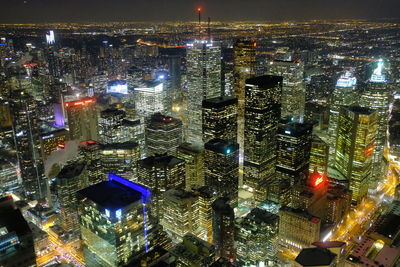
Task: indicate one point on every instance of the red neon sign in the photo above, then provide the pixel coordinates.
(318, 181)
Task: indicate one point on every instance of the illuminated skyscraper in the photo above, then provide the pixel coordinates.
(244, 67)
(70, 180)
(221, 167)
(262, 113)
(25, 126)
(356, 134)
(204, 81)
(110, 124)
(220, 118)
(160, 173)
(224, 229)
(114, 222)
(82, 119)
(345, 94)
(152, 98)
(255, 234)
(377, 97)
(163, 134)
(194, 164)
(293, 89)
(53, 141)
(319, 155)
(294, 147)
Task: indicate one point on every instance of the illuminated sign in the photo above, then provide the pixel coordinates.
(228, 151)
(288, 132)
(117, 86)
(318, 181)
(346, 80)
(81, 102)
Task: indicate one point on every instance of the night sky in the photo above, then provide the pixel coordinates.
(20, 11)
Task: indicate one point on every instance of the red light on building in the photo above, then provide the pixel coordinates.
(370, 149)
(315, 220)
(199, 9)
(316, 179)
(84, 101)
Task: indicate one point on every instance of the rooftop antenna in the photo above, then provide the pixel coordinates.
(199, 12)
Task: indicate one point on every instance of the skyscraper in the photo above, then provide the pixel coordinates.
(345, 94)
(377, 97)
(356, 134)
(262, 113)
(26, 134)
(194, 164)
(204, 81)
(221, 167)
(70, 180)
(163, 134)
(110, 123)
(293, 89)
(82, 119)
(160, 173)
(152, 98)
(224, 229)
(319, 155)
(220, 118)
(114, 222)
(294, 147)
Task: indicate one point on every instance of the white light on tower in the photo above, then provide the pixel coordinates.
(50, 37)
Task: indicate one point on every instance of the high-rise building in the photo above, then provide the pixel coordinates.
(26, 134)
(294, 147)
(206, 196)
(160, 173)
(163, 134)
(179, 213)
(262, 113)
(345, 94)
(152, 98)
(297, 228)
(16, 246)
(356, 134)
(377, 97)
(221, 168)
(255, 234)
(110, 123)
(194, 164)
(224, 229)
(204, 81)
(220, 118)
(82, 119)
(53, 141)
(319, 155)
(114, 222)
(70, 180)
(293, 89)
(338, 204)
(244, 67)
(89, 151)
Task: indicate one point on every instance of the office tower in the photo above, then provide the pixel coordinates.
(204, 81)
(152, 98)
(179, 211)
(220, 118)
(134, 130)
(319, 155)
(377, 96)
(70, 180)
(26, 136)
(356, 134)
(53, 141)
(224, 229)
(163, 134)
(110, 124)
(294, 147)
(82, 119)
(255, 234)
(16, 246)
(338, 203)
(221, 168)
(206, 196)
(262, 113)
(9, 179)
(194, 164)
(297, 228)
(293, 88)
(193, 251)
(160, 173)
(345, 94)
(114, 222)
(244, 67)
(89, 151)
(119, 158)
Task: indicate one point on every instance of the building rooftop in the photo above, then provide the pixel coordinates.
(219, 102)
(221, 146)
(262, 216)
(296, 129)
(124, 145)
(300, 212)
(159, 161)
(315, 257)
(179, 194)
(71, 170)
(159, 118)
(266, 80)
(112, 112)
(360, 110)
(114, 194)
